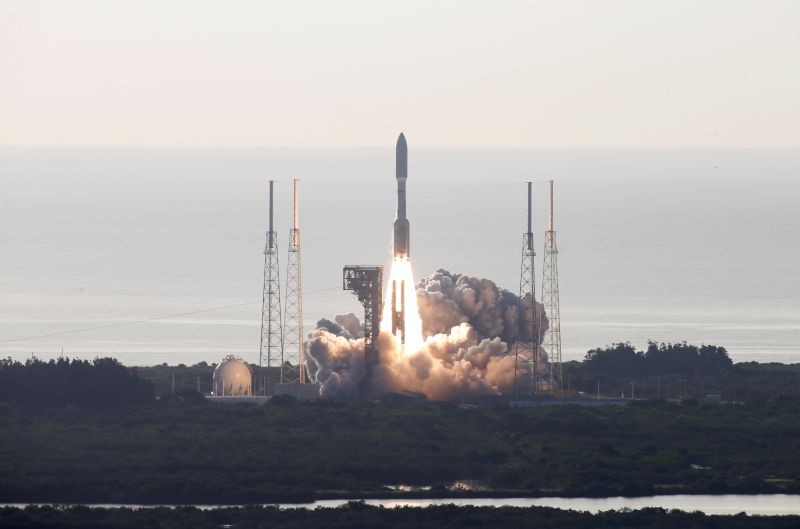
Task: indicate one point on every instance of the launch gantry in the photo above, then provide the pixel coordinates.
(367, 283)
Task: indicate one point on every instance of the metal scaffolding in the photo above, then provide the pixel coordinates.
(293, 368)
(367, 283)
(527, 328)
(552, 337)
(271, 347)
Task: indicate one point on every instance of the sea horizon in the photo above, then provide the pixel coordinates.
(663, 244)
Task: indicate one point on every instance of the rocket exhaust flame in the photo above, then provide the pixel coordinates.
(400, 310)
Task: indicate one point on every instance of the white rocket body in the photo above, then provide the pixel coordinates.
(402, 229)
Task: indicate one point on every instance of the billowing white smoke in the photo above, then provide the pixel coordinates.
(347, 325)
(336, 361)
(450, 366)
(468, 324)
(447, 299)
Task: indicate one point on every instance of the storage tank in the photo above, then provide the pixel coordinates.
(233, 378)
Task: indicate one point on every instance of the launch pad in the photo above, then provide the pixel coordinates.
(396, 313)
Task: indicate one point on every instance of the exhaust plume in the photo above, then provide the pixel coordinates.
(470, 332)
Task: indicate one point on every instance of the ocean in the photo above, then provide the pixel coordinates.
(155, 254)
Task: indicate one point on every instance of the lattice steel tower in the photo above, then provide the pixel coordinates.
(367, 282)
(552, 337)
(527, 328)
(293, 368)
(271, 348)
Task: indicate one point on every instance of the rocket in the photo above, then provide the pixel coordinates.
(401, 227)
(401, 240)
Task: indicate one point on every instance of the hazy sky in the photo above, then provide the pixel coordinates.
(341, 73)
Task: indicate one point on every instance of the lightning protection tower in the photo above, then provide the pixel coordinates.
(527, 328)
(293, 369)
(552, 337)
(271, 348)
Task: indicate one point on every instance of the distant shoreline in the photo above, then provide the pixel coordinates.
(752, 504)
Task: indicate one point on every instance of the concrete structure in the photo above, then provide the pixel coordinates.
(588, 403)
(255, 399)
(298, 391)
(232, 378)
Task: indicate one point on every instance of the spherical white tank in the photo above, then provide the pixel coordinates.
(233, 377)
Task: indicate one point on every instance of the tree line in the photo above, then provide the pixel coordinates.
(98, 382)
(357, 515)
(659, 359)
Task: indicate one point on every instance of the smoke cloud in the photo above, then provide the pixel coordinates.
(470, 329)
(346, 325)
(447, 299)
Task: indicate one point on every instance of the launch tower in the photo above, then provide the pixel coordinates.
(367, 283)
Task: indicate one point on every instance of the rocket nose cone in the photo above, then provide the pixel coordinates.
(402, 157)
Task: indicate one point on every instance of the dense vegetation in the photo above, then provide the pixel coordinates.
(659, 359)
(78, 431)
(182, 379)
(358, 516)
(180, 452)
(679, 371)
(102, 382)
(662, 371)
